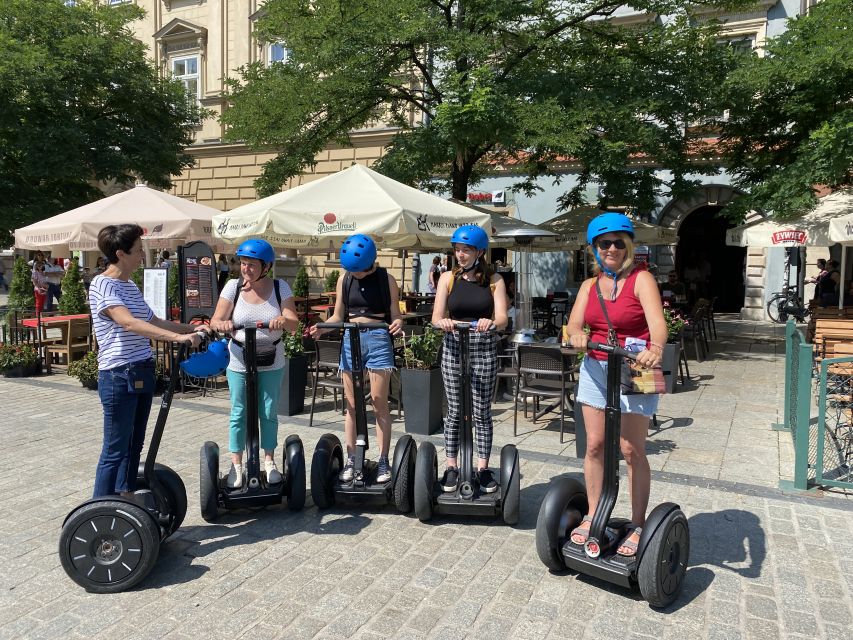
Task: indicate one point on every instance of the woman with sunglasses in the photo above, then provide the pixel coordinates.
(630, 295)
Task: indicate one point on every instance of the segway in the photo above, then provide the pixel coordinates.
(659, 566)
(255, 491)
(468, 499)
(328, 461)
(109, 544)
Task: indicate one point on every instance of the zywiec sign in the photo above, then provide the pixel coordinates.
(789, 236)
(479, 196)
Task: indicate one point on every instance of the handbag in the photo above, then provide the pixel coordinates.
(633, 378)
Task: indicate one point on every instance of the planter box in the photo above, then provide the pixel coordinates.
(669, 362)
(93, 384)
(22, 371)
(291, 398)
(423, 391)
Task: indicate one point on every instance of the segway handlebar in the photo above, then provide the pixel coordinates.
(352, 325)
(467, 325)
(252, 325)
(609, 348)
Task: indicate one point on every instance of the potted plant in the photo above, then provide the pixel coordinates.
(85, 370)
(331, 282)
(73, 298)
(675, 323)
(300, 282)
(423, 389)
(291, 400)
(19, 360)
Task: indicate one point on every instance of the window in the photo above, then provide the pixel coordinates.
(186, 70)
(740, 44)
(277, 52)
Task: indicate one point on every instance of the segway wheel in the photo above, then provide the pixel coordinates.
(426, 475)
(664, 561)
(510, 484)
(294, 457)
(175, 493)
(208, 481)
(108, 546)
(405, 452)
(327, 462)
(562, 510)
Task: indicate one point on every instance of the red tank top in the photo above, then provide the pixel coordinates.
(626, 314)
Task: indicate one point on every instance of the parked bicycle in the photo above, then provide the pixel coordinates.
(785, 304)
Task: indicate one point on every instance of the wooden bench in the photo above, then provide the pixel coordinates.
(824, 313)
(76, 340)
(830, 332)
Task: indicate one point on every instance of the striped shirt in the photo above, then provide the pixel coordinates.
(246, 312)
(116, 345)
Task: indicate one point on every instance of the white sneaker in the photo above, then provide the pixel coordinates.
(273, 475)
(383, 473)
(347, 472)
(235, 476)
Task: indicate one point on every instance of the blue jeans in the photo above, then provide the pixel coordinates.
(269, 388)
(377, 351)
(53, 291)
(125, 420)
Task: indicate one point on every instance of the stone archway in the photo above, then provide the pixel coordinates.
(747, 291)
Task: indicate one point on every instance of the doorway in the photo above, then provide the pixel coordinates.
(702, 249)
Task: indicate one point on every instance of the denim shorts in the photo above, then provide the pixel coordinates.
(592, 390)
(377, 352)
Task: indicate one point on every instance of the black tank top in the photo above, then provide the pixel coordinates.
(470, 301)
(364, 297)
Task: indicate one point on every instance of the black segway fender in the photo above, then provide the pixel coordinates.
(325, 465)
(654, 521)
(403, 473)
(510, 484)
(426, 475)
(294, 470)
(115, 498)
(208, 481)
(175, 494)
(562, 510)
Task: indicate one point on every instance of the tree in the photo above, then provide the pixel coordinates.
(790, 124)
(73, 298)
(81, 104)
(476, 83)
(21, 295)
(300, 282)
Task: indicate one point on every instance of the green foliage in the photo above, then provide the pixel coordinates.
(82, 103)
(421, 351)
(73, 299)
(293, 342)
(17, 355)
(331, 283)
(300, 283)
(790, 123)
(86, 368)
(137, 277)
(675, 322)
(172, 285)
(21, 288)
(472, 84)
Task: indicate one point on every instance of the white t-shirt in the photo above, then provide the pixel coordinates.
(116, 345)
(246, 312)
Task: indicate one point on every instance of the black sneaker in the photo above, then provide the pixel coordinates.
(450, 479)
(486, 481)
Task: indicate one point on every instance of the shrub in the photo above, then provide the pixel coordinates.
(300, 283)
(73, 298)
(17, 355)
(332, 280)
(85, 369)
(21, 288)
(421, 351)
(293, 342)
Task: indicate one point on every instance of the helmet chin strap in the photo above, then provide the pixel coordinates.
(610, 273)
(264, 272)
(473, 265)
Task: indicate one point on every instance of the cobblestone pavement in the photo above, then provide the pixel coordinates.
(764, 564)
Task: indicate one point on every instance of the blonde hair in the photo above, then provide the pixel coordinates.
(628, 264)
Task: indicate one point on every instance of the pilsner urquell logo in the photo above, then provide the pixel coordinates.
(789, 235)
(331, 224)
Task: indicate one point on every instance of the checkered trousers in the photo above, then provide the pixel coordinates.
(484, 369)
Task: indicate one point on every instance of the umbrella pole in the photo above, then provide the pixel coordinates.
(403, 285)
(841, 283)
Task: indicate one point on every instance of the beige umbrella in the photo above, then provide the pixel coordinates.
(167, 220)
(572, 227)
(322, 213)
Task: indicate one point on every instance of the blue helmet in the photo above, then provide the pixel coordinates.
(208, 363)
(472, 235)
(358, 253)
(257, 249)
(608, 223)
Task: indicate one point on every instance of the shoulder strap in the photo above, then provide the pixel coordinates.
(345, 294)
(450, 283)
(277, 293)
(237, 291)
(611, 332)
(385, 291)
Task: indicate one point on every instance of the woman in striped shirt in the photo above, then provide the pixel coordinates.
(124, 326)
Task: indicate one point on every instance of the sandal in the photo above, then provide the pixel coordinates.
(629, 544)
(580, 530)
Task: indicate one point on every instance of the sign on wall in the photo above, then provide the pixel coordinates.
(155, 290)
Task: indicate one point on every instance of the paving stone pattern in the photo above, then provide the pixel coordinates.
(763, 564)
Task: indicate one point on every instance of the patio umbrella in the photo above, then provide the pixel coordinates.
(167, 220)
(572, 227)
(323, 213)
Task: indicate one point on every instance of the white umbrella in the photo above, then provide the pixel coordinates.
(572, 227)
(167, 220)
(322, 213)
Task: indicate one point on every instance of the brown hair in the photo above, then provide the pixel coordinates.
(482, 272)
(114, 237)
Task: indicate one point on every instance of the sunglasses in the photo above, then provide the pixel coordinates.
(604, 245)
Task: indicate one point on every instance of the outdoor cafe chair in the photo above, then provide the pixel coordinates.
(326, 374)
(543, 373)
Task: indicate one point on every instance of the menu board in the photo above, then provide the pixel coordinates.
(197, 280)
(155, 290)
